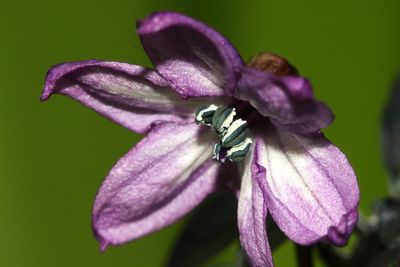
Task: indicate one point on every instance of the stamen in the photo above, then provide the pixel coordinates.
(238, 152)
(236, 140)
(222, 118)
(234, 143)
(204, 114)
(234, 130)
(228, 120)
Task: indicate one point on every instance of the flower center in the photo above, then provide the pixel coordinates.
(234, 143)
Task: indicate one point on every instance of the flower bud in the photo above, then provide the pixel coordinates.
(272, 63)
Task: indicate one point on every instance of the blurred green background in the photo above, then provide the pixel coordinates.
(54, 156)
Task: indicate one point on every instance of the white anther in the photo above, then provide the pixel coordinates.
(234, 126)
(239, 147)
(199, 117)
(227, 121)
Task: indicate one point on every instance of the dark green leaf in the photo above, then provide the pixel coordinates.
(275, 236)
(388, 212)
(211, 228)
(275, 239)
(390, 258)
(390, 131)
(241, 260)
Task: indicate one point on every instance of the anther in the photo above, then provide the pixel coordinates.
(238, 152)
(233, 135)
(222, 118)
(205, 114)
(234, 143)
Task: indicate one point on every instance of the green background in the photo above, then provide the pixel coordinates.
(54, 155)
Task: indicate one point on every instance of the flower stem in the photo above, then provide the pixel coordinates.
(304, 257)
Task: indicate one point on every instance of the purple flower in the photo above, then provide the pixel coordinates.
(291, 171)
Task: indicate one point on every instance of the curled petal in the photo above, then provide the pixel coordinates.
(288, 101)
(131, 95)
(310, 187)
(318, 116)
(196, 59)
(160, 180)
(252, 213)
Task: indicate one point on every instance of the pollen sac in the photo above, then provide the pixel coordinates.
(204, 114)
(235, 134)
(222, 119)
(238, 152)
(234, 143)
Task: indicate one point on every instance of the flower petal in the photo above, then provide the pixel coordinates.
(310, 187)
(160, 180)
(288, 101)
(318, 116)
(196, 59)
(252, 213)
(127, 94)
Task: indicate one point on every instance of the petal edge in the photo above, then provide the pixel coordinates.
(252, 214)
(311, 189)
(160, 180)
(195, 58)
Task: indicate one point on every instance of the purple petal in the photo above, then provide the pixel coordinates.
(288, 101)
(160, 180)
(196, 59)
(319, 116)
(310, 188)
(252, 214)
(127, 94)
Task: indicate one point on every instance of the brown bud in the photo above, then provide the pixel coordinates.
(272, 63)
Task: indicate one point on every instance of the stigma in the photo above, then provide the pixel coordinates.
(233, 133)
